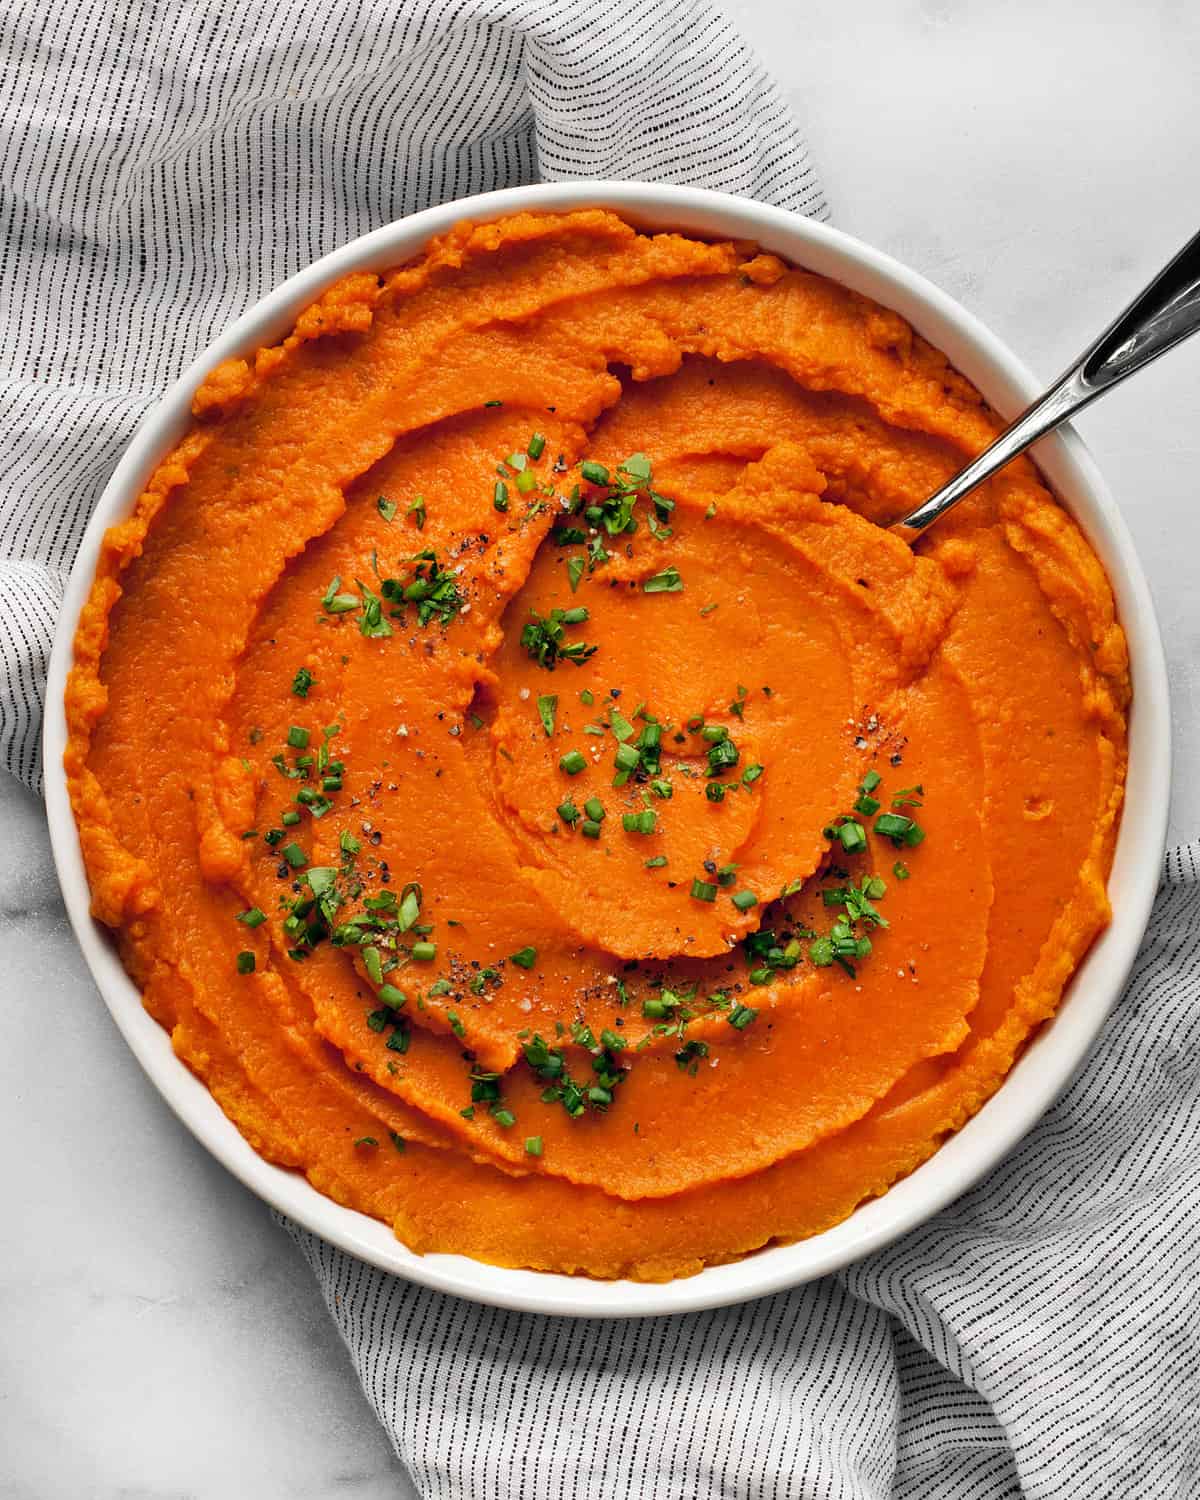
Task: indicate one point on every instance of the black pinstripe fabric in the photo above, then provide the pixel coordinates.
(1041, 1339)
(162, 167)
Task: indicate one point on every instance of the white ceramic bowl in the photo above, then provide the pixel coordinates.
(1048, 1063)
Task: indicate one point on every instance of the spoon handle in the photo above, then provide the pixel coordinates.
(1155, 321)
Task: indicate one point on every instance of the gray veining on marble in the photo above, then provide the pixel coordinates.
(158, 1336)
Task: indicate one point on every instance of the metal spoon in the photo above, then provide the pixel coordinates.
(1156, 320)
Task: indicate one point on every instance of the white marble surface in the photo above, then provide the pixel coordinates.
(158, 1336)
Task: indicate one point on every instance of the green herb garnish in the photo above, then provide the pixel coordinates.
(544, 638)
(666, 582)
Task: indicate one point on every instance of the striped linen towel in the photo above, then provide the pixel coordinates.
(162, 168)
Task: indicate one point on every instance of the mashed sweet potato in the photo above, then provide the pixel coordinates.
(542, 802)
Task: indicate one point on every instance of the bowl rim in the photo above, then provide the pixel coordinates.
(1047, 1064)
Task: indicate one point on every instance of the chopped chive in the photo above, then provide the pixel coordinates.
(594, 809)
(524, 958)
(900, 870)
(500, 496)
(245, 962)
(821, 952)
(424, 952)
(899, 829)
(533, 1145)
(572, 763)
(714, 733)
(391, 996)
(398, 1141)
(707, 609)
(741, 1016)
(751, 774)
(410, 906)
(666, 582)
(703, 890)
(590, 828)
(715, 791)
(568, 812)
(722, 756)
(516, 461)
(587, 697)
(853, 837)
(575, 567)
(290, 818)
(620, 726)
(373, 965)
(526, 482)
(302, 681)
(657, 862)
(253, 916)
(867, 806)
(744, 900)
(639, 822)
(537, 445)
(367, 1140)
(504, 1118)
(870, 781)
(297, 737)
(626, 758)
(294, 855)
(386, 508)
(547, 705)
(593, 472)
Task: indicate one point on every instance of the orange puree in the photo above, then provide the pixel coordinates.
(632, 940)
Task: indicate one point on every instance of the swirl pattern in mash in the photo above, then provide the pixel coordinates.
(544, 804)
